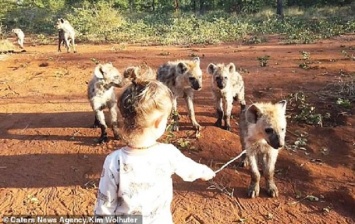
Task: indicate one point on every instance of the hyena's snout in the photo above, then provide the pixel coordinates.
(195, 84)
(117, 83)
(220, 82)
(274, 139)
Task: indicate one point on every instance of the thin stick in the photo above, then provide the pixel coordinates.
(224, 166)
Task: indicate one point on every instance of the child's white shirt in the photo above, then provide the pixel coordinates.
(138, 182)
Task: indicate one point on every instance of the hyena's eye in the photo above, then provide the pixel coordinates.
(225, 78)
(269, 130)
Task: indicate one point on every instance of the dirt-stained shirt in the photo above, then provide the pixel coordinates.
(138, 182)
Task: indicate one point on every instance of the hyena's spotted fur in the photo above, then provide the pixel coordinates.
(183, 77)
(144, 72)
(263, 130)
(20, 36)
(66, 33)
(101, 95)
(227, 86)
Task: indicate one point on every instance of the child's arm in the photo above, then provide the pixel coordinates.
(106, 203)
(188, 169)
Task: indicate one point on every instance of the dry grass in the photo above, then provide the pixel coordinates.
(341, 89)
(6, 46)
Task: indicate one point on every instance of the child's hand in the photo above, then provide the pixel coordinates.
(207, 174)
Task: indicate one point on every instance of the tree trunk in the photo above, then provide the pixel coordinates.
(153, 5)
(176, 5)
(279, 10)
(193, 5)
(202, 7)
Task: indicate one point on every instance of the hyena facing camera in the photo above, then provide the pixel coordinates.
(227, 86)
(66, 34)
(20, 36)
(101, 95)
(263, 130)
(183, 77)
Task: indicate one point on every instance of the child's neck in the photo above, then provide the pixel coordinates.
(143, 142)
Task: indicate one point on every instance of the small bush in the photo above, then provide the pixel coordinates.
(96, 22)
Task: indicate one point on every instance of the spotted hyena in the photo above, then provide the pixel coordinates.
(139, 72)
(183, 77)
(20, 36)
(66, 33)
(263, 130)
(101, 95)
(227, 86)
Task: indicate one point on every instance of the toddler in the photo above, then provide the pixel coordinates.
(136, 179)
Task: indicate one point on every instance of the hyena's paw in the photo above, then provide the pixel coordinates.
(227, 127)
(272, 191)
(102, 139)
(218, 123)
(253, 190)
(197, 127)
(244, 162)
(175, 127)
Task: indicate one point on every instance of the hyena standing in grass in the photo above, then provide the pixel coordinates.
(227, 86)
(20, 36)
(66, 33)
(263, 130)
(101, 95)
(183, 77)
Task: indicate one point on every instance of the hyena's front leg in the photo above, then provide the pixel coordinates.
(227, 114)
(101, 118)
(175, 114)
(190, 105)
(72, 40)
(67, 44)
(113, 111)
(269, 168)
(20, 42)
(241, 98)
(219, 110)
(254, 187)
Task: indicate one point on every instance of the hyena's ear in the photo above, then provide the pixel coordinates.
(181, 68)
(196, 60)
(231, 67)
(282, 104)
(98, 72)
(253, 113)
(130, 72)
(211, 68)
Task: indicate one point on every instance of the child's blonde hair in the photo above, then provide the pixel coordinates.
(139, 102)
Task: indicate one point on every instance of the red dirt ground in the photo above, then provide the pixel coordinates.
(50, 164)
